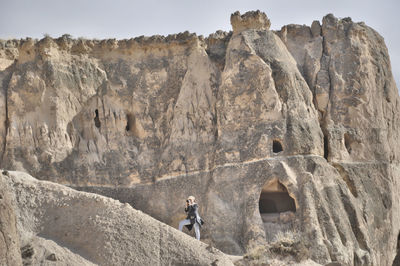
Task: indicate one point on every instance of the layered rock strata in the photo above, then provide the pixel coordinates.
(242, 120)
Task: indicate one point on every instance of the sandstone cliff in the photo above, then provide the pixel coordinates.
(295, 130)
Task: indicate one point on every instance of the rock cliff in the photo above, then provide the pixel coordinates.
(289, 131)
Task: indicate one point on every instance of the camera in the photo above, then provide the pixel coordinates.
(187, 201)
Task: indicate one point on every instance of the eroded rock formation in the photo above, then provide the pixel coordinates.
(68, 227)
(9, 240)
(305, 116)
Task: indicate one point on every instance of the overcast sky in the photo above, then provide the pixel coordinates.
(124, 19)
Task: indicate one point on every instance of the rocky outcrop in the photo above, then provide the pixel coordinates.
(295, 130)
(123, 97)
(347, 67)
(9, 240)
(61, 225)
(255, 20)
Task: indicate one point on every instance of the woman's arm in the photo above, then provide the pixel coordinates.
(187, 207)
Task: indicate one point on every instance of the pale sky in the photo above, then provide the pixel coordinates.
(124, 19)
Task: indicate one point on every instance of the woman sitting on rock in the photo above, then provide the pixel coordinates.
(192, 218)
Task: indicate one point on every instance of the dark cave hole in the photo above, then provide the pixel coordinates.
(275, 202)
(97, 119)
(276, 146)
(130, 122)
(275, 199)
(326, 147)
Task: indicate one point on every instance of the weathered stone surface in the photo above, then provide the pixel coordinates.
(261, 96)
(84, 109)
(348, 70)
(217, 44)
(9, 240)
(343, 227)
(60, 224)
(255, 20)
(305, 45)
(307, 111)
(41, 251)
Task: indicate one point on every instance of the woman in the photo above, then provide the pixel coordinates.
(193, 218)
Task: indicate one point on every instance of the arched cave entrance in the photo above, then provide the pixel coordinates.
(277, 209)
(276, 146)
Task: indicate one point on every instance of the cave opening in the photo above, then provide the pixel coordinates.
(133, 126)
(130, 122)
(275, 198)
(326, 146)
(276, 146)
(277, 209)
(97, 122)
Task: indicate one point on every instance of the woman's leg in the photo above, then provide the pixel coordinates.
(197, 230)
(182, 223)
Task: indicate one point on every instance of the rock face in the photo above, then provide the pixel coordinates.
(9, 240)
(255, 20)
(295, 130)
(59, 224)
